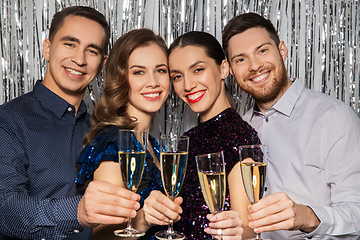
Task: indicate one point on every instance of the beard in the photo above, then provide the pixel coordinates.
(270, 91)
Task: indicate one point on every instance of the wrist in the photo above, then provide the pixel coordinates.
(310, 220)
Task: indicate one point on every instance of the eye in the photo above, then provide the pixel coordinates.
(176, 77)
(240, 60)
(138, 72)
(264, 50)
(93, 51)
(161, 70)
(69, 44)
(199, 70)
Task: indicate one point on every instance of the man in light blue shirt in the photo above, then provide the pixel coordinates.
(313, 171)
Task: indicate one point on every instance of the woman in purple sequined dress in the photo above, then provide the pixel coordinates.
(198, 68)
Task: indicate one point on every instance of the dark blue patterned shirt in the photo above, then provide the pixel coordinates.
(40, 139)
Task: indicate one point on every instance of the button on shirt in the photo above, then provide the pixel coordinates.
(313, 156)
(40, 139)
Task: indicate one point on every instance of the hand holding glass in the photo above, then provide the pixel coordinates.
(132, 154)
(211, 172)
(253, 171)
(173, 162)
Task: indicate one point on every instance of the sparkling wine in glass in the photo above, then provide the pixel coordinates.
(211, 172)
(173, 162)
(132, 154)
(253, 171)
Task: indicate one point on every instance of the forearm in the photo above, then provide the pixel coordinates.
(338, 220)
(248, 233)
(309, 220)
(139, 222)
(29, 217)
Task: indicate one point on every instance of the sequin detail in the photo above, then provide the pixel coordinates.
(221, 133)
(105, 148)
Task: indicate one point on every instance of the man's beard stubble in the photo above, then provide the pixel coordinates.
(270, 92)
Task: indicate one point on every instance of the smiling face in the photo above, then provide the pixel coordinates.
(74, 57)
(149, 80)
(258, 66)
(198, 80)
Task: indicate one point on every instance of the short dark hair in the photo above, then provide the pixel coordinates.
(205, 40)
(82, 11)
(243, 22)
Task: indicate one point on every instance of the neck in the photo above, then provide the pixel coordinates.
(143, 118)
(72, 98)
(263, 106)
(220, 104)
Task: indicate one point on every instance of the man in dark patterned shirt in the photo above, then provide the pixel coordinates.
(41, 135)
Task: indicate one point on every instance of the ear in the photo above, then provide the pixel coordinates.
(283, 50)
(103, 61)
(46, 49)
(224, 68)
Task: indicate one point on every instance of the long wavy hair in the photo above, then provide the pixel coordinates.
(111, 108)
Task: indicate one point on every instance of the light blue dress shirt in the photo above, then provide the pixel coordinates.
(314, 157)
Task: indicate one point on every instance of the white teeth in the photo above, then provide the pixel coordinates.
(261, 77)
(72, 71)
(152, 95)
(195, 96)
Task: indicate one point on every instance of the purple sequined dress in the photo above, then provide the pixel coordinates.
(221, 133)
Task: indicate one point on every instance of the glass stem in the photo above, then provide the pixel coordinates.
(170, 230)
(129, 225)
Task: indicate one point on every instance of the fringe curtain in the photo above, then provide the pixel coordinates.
(322, 38)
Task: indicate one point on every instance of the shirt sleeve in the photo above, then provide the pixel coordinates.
(24, 216)
(340, 148)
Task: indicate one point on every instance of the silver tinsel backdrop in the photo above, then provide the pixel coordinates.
(322, 37)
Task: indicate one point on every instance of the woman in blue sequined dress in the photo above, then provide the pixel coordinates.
(136, 86)
(198, 68)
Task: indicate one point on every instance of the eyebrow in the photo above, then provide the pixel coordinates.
(74, 39)
(257, 48)
(191, 66)
(196, 63)
(143, 67)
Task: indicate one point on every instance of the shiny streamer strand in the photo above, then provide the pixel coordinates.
(322, 39)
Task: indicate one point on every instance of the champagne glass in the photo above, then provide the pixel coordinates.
(211, 172)
(132, 154)
(253, 171)
(173, 161)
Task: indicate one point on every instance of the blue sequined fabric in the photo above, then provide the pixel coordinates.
(221, 133)
(105, 148)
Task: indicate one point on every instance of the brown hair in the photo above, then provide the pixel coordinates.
(112, 106)
(82, 11)
(243, 22)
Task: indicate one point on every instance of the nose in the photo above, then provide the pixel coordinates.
(79, 57)
(152, 81)
(255, 64)
(189, 84)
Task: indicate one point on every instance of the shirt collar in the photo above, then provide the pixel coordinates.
(287, 102)
(53, 102)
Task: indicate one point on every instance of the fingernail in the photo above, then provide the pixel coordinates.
(212, 225)
(251, 224)
(133, 214)
(206, 230)
(136, 206)
(134, 197)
